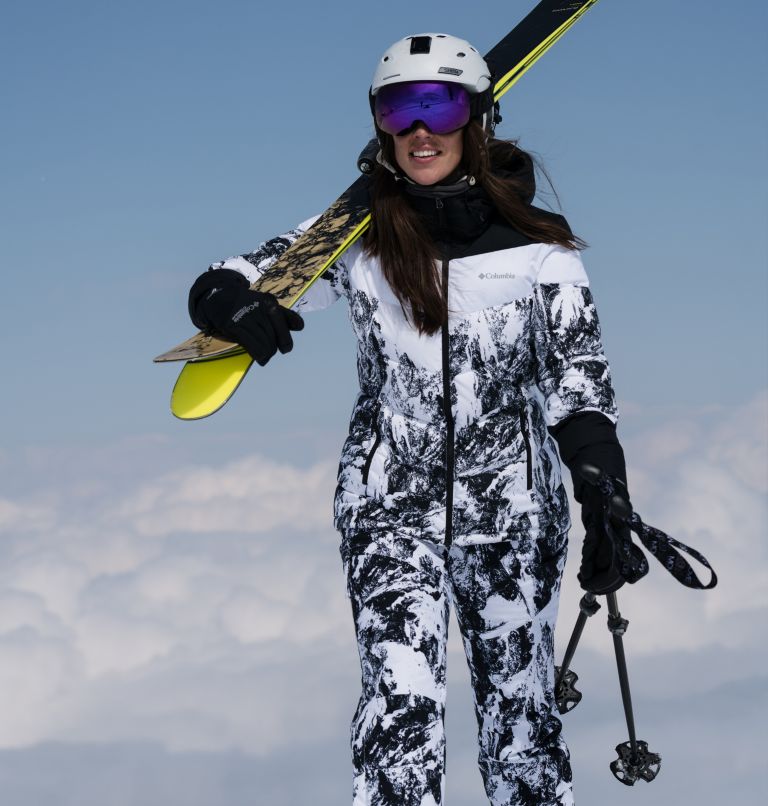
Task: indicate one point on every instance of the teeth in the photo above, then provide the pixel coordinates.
(425, 153)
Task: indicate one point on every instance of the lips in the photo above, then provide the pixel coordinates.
(423, 152)
(426, 157)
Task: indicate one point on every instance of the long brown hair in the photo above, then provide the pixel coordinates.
(408, 255)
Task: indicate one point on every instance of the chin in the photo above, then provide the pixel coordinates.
(430, 177)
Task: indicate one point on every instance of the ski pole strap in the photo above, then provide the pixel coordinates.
(667, 551)
(632, 563)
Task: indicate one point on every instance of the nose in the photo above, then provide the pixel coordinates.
(421, 127)
(417, 126)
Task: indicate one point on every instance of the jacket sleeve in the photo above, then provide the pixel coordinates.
(252, 265)
(572, 371)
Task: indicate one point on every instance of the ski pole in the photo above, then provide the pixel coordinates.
(617, 626)
(634, 760)
(567, 695)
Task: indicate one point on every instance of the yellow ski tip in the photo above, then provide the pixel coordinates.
(203, 387)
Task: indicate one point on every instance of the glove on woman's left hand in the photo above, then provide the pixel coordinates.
(589, 438)
(599, 572)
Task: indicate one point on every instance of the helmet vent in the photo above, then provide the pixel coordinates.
(461, 55)
(421, 44)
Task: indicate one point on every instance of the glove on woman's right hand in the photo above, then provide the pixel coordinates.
(222, 302)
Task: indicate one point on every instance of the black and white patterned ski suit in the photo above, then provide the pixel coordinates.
(449, 491)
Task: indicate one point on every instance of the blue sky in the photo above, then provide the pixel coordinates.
(149, 566)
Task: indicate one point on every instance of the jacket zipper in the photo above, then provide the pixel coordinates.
(528, 452)
(374, 447)
(448, 414)
(449, 424)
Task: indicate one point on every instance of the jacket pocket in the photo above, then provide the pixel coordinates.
(528, 453)
(372, 451)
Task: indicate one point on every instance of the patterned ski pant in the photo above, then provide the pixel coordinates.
(505, 596)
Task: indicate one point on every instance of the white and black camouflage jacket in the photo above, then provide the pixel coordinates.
(448, 439)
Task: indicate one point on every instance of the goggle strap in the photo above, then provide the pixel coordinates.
(481, 103)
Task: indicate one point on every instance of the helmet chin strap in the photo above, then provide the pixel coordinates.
(396, 172)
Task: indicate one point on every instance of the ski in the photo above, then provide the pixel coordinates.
(215, 367)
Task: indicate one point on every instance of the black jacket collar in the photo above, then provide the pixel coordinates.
(459, 210)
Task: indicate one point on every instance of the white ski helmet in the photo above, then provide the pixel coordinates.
(432, 57)
(438, 57)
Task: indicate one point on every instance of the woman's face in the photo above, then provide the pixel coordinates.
(428, 158)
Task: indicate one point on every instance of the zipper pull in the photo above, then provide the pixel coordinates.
(439, 204)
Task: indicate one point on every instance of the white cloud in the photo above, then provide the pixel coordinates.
(126, 588)
(35, 669)
(120, 644)
(250, 495)
(24, 517)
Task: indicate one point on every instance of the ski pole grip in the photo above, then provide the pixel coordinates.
(590, 474)
(620, 509)
(366, 162)
(618, 506)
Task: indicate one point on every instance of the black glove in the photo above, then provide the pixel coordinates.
(221, 302)
(600, 568)
(590, 439)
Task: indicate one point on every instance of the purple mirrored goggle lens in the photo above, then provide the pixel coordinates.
(442, 106)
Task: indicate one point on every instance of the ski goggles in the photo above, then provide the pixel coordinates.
(441, 106)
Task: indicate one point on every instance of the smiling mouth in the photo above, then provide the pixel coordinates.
(424, 153)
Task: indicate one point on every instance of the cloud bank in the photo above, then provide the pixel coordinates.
(201, 608)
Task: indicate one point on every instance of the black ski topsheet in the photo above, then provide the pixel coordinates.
(347, 218)
(544, 25)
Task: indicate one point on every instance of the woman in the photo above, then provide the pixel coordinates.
(478, 350)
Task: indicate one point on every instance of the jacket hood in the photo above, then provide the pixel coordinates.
(510, 162)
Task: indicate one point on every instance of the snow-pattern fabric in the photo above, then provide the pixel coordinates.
(254, 264)
(522, 355)
(506, 597)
